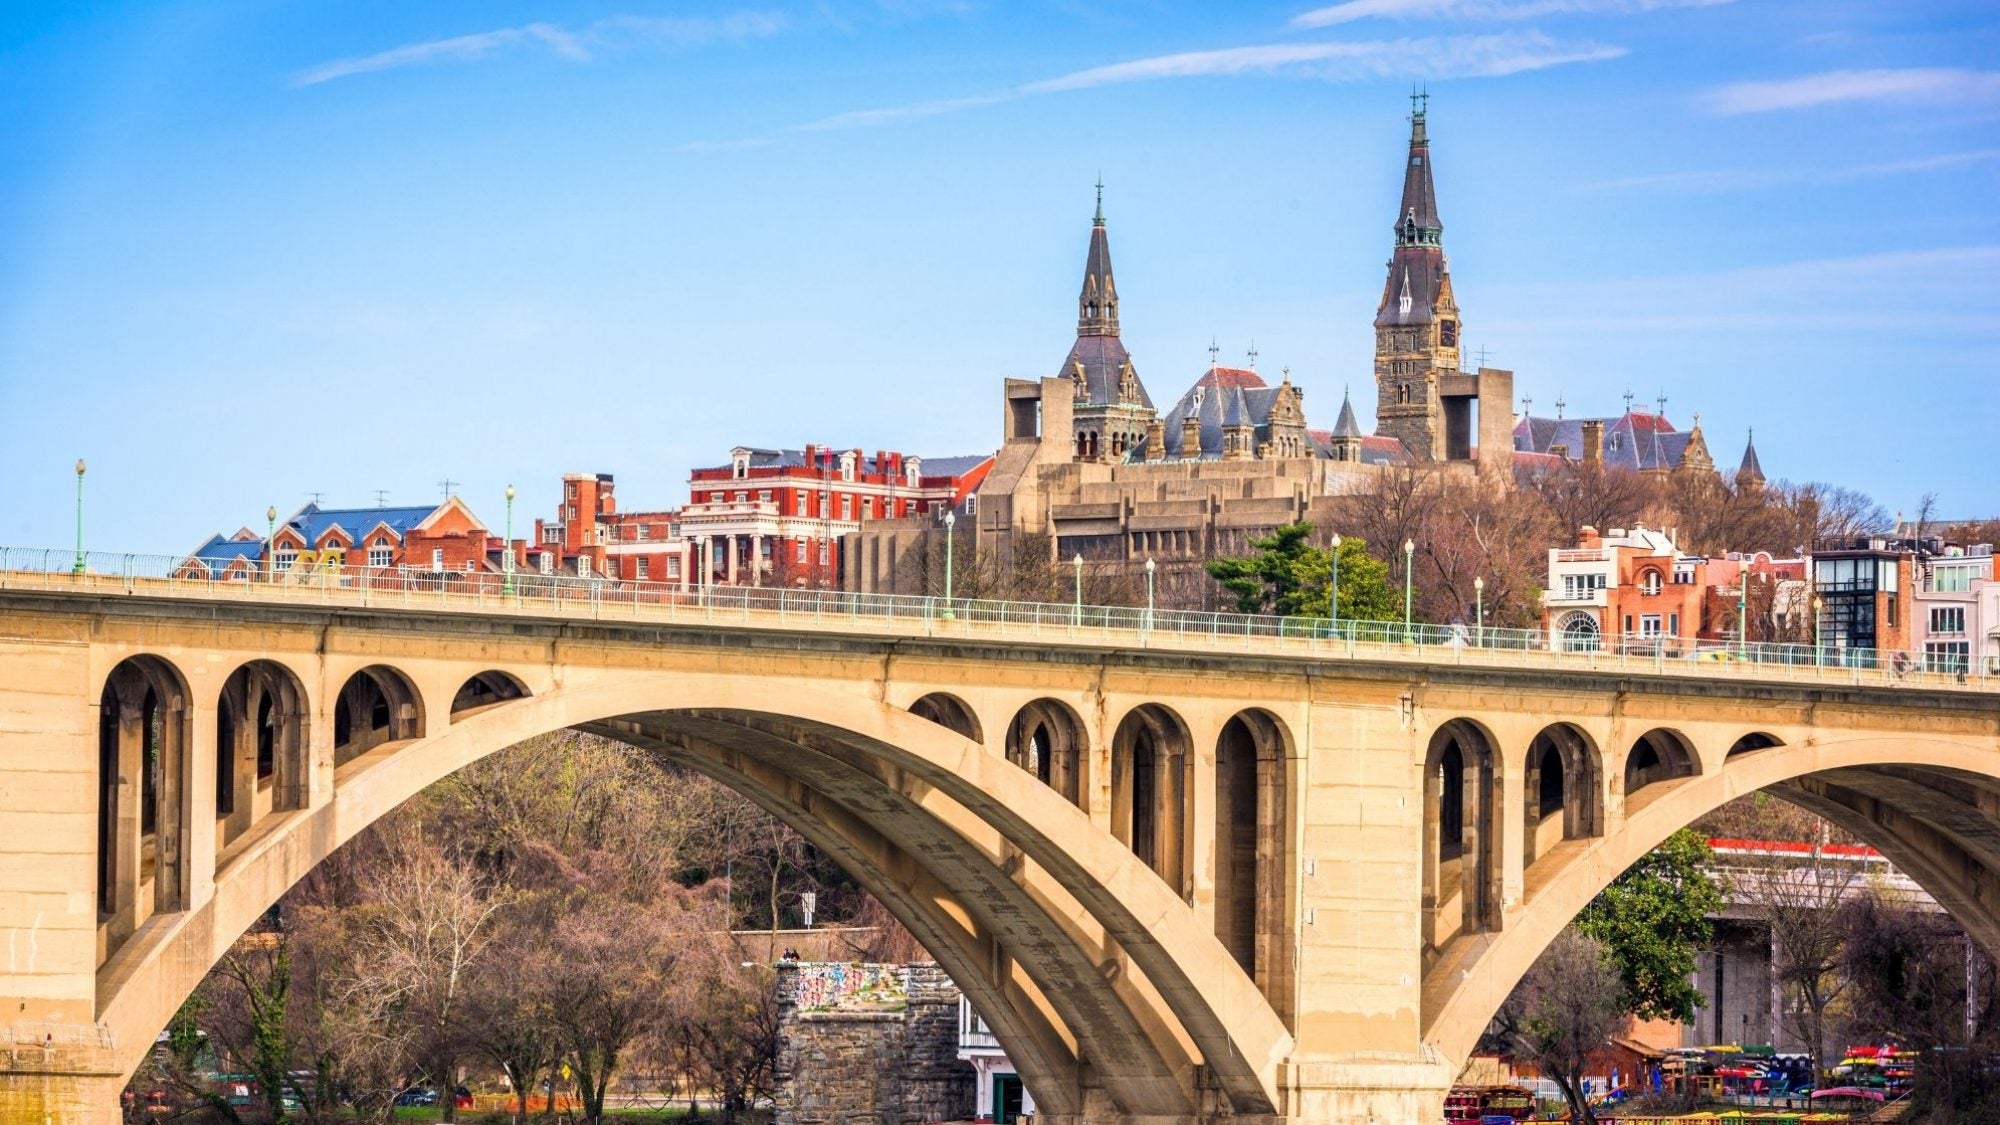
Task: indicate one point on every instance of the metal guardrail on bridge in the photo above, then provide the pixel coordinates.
(534, 594)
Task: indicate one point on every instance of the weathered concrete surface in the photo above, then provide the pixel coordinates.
(1106, 975)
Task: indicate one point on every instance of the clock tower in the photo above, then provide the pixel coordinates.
(1416, 326)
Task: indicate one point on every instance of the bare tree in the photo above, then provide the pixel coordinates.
(1800, 900)
(1570, 1003)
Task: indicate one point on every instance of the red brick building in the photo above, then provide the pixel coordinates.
(1631, 588)
(775, 517)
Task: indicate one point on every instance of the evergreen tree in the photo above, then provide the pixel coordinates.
(1289, 576)
(1653, 921)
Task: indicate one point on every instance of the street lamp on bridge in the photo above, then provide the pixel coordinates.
(950, 522)
(1409, 559)
(79, 515)
(507, 545)
(1333, 589)
(271, 541)
(1479, 610)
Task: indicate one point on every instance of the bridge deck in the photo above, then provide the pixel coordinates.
(1083, 626)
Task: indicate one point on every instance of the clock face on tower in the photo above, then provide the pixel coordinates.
(1448, 333)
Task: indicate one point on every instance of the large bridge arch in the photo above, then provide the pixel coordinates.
(1162, 995)
(1930, 805)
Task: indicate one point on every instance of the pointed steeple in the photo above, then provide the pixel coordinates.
(1097, 304)
(1345, 426)
(1750, 472)
(1417, 222)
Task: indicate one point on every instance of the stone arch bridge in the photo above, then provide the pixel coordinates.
(1184, 877)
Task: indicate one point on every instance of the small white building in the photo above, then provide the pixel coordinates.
(1956, 624)
(1000, 1096)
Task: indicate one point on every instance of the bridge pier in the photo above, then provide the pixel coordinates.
(50, 1085)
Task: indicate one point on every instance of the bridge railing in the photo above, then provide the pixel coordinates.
(598, 597)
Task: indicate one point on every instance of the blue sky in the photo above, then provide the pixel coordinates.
(251, 251)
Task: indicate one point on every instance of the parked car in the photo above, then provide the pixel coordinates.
(417, 1096)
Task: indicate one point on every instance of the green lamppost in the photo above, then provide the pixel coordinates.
(1743, 612)
(1333, 590)
(507, 569)
(1819, 650)
(271, 541)
(1077, 562)
(950, 522)
(1479, 601)
(1149, 595)
(79, 515)
(1409, 589)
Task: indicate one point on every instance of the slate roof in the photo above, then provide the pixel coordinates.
(1634, 440)
(219, 552)
(1346, 427)
(1223, 396)
(313, 521)
(1104, 359)
(1419, 195)
(1419, 272)
(1750, 469)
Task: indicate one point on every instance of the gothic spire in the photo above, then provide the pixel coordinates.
(1750, 471)
(1417, 222)
(1097, 304)
(1346, 427)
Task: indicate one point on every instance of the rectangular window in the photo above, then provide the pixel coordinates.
(437, 558)
(742, 496)
(639, 569)
(1649, 624)
(547, 562)
(972, 504)
(583, 566)
(285, 557)
(1892, 611)
(572, 514)
(468, 567)
(802, 551)
(763, 496)
(847, 507)
(552, 534)
(673, 566)
(867, 507)
(379, 555)
(1628, 622)
(1673, 624)
(822, 553)
(645, 532)
(1948, 619)
(1952, 579)
(717, 497)
(1948, 656)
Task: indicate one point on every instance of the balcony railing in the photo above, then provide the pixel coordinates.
(532, 594)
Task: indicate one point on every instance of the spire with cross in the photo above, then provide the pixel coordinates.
(1527, 406)
(1099, 220)
(1253, 355)
(1628, 400)
(1214, 353)
(1559, 407)
(1661, 402)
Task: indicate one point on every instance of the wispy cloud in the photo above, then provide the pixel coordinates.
(1748, 179)
(1911, 85)
(1352, 10)
(1477, 56)
(580, 46)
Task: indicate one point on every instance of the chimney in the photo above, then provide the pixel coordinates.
(1587, 538)
(1156, 439)
(1593, 443)
(1191, 437)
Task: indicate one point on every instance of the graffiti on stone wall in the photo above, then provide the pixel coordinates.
(824, 986)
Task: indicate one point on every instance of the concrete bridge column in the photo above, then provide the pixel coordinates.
(55, 1063)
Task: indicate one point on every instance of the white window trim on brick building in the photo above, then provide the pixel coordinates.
(380, 555)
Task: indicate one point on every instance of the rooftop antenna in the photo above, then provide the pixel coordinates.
(316, 498)
(1482, 356)
(1527, 405)
(381, 497)
(448, 484)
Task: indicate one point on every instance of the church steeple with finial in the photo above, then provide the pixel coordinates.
(1112, 410)
(1416, 323)
(1750, 474)
(1097, 304)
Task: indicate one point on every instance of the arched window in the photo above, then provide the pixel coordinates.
(1649, 582)
(1580, 633)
